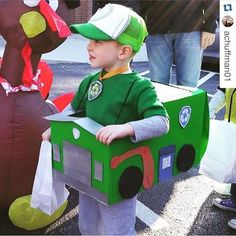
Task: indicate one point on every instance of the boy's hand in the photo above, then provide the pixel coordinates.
(108, 133)
(46, 134)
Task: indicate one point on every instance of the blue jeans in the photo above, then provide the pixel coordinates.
(183, 48)
(96, 218)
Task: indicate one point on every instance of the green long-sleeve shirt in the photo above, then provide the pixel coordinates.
(124, 98)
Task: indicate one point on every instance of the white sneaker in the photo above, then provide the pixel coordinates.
(232, 223)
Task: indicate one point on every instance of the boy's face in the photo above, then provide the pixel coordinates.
(104, 54)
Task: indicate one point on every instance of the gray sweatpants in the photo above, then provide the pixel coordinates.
(96, 218)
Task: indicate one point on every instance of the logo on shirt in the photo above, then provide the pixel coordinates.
(95, 89)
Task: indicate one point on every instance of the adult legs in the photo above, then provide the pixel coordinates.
(160, 57)
(233, 192)
(228, 203)
(232, 222)
(188, 58)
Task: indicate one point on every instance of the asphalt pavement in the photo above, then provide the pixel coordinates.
(181, 205)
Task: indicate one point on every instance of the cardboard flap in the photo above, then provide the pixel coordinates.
(63, 116)
(85, 122)
(88, 124)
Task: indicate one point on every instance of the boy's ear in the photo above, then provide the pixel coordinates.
(126, 52)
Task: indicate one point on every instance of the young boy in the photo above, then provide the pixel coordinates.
(125, 103)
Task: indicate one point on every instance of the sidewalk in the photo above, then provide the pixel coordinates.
(74, 49)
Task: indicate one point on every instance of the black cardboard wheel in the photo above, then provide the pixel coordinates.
(186, 157)
(130, 182)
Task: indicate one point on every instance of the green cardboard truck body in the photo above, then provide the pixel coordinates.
(118, 171)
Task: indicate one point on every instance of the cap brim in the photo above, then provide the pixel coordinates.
(89, 31)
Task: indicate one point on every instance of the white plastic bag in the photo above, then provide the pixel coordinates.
(48, 194)
(219, 160)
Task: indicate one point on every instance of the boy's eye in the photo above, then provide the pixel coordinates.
(97, 41)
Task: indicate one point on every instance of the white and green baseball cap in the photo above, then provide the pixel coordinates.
(114, 22)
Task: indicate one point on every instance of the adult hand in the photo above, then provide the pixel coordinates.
(207, 39)
(108, 133)
(46, 134)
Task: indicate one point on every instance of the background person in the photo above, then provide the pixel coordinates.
(227, 98)
(133, 4)
(179, 30)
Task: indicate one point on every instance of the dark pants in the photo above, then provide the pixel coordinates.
(233, 192)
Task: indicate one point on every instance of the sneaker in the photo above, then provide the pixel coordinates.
(225, 204)
(232, 223)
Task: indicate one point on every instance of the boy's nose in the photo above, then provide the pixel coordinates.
(90, 45)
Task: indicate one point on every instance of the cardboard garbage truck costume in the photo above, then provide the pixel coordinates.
(122, 169)
(30, 28)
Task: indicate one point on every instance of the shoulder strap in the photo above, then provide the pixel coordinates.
(85, 91)
(126, 97)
